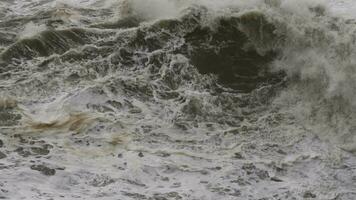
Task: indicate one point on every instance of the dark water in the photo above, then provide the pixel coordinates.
(176, 100)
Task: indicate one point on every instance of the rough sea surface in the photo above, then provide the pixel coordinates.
(178, 99)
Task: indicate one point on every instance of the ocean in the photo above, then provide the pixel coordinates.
(178, 99)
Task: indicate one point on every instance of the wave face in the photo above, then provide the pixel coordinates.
(197, 99)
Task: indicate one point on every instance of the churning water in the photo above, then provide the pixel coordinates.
(177, 99)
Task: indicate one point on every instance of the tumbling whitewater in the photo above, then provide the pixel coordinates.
(177, 100)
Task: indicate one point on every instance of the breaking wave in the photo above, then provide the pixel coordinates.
(247, 45)
(214, 73)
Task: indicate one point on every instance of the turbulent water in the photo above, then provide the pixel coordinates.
(178, 99)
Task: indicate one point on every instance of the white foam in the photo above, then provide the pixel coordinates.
(88, 168)
(31, 29)
(344, 8)
(155, 9)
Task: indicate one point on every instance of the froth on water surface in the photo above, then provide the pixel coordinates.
(194, 99)
(72, 122)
